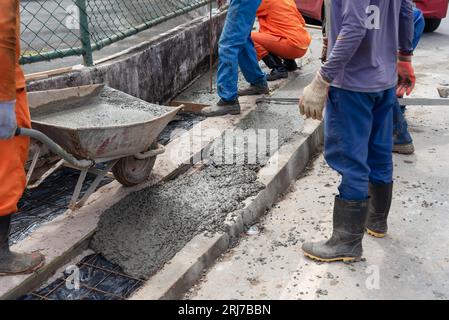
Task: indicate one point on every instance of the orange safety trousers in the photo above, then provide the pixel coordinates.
(13, 156)
(266, 43)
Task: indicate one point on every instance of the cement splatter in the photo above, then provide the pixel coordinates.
(107, 107)
(148, 227)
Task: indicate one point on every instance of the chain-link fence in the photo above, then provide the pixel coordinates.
(60, 28)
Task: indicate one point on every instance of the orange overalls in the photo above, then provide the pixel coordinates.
(13, 152)
(282, 30)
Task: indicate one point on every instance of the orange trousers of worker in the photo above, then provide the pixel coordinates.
(266, 43)
(13, 156)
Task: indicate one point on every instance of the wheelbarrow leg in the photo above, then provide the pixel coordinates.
(33, 164)
(95, 183)
(78, 188)
(48, 173)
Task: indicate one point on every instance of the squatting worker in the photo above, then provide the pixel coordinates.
(236, 49)
(282, 37)
(13, 150)
(370, 42)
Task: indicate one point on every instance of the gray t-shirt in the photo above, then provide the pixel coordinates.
(364, 38)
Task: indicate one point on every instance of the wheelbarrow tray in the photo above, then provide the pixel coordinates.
(97, 122)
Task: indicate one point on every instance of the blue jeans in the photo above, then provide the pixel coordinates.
(358, 130)
(400, 128)
(237, 49)
(419, 24)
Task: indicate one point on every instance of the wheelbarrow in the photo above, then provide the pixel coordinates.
(97, 129)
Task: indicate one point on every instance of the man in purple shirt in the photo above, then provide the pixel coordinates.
(370, 45)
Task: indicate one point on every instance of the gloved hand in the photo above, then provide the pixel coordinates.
(314, 98)
(8, 122)
(406, 75)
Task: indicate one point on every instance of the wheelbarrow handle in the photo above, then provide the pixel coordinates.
(54, 147)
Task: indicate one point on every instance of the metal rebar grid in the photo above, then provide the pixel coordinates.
(99, 280)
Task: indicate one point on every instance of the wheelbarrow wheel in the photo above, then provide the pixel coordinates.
(131, 171)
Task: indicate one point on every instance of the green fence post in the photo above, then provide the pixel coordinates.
(84, 33)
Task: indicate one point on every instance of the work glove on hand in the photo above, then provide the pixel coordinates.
(406, 75)
(8, 122)
(314, 98)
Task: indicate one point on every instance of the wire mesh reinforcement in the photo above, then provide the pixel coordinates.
(98, 279)
(60, 28)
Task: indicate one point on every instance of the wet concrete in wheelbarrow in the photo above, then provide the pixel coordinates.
(103, 108)
(147, 228)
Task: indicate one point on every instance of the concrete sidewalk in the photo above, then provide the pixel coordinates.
(410, 263)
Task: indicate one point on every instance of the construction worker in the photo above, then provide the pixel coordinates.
(370, 44)
(402, 140)
(13, 150)
(282, 37)
(237, 49)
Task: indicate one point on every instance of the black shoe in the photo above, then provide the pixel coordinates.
(278, 71)
(346, 242)
(379, 208)
(12, 263)
(290, 65)
(254, 89)
(222, 108)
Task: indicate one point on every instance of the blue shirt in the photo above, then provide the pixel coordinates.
(364, 38)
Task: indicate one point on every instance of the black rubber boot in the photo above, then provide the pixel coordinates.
(12, 263)
(278, 71)
(255, 89)
(345, 243)
(222, 108)
(290, 65)
(379, 208)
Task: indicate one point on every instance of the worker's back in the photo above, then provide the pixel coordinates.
(373, 26)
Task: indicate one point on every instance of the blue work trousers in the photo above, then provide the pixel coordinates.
(237, 49)
(358, 131)
(400, 128)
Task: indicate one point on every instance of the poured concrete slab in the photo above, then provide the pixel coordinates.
(65, 237)
(276, 174)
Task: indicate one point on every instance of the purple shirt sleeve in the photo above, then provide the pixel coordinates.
(352, 32)
(406, 27)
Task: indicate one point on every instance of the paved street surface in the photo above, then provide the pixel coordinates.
(410, 263)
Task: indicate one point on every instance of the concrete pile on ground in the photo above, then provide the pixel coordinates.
(148, 227)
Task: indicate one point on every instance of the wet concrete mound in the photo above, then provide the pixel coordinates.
(148, 227)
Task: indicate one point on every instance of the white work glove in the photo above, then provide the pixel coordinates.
(314, 98)
(8, 122)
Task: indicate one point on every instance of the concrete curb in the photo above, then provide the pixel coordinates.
(200, 253)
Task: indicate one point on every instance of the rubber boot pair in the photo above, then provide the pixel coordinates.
(350, 220)
(12, 263)
(278, 69)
